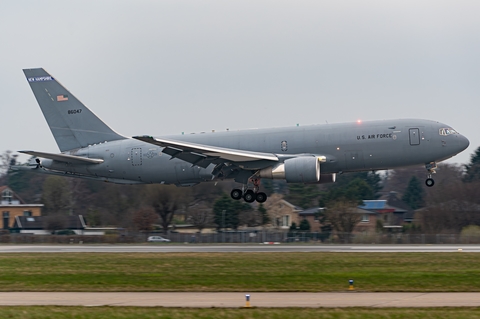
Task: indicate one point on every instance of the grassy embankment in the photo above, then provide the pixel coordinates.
(240, 272)
(214, 313)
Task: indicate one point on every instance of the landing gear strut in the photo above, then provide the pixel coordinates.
(250, 195)
(431, 170)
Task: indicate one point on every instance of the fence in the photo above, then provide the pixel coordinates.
(255, 237)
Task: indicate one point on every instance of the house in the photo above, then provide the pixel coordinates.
(404, 213)
(39, 225)
(312, 215)
(368, 219)
(282, 213)
(13, 206)
(389, 211)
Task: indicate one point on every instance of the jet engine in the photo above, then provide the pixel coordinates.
(296, 170)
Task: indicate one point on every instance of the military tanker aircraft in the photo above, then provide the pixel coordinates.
(312, 154)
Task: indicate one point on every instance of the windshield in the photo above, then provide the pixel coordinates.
(447, 131)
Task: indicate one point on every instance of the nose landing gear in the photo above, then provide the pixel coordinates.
(431, 167)
(249, 195)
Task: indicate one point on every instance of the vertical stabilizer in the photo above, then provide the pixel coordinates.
(72, 124)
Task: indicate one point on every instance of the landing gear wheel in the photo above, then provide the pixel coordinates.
(236, 194)
(261, 197)
(429, 182)
(249, 196)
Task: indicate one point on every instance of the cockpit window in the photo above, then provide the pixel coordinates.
(447, 131)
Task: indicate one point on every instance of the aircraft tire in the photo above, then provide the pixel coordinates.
(249, 196)
(236, 194)
(261, 197)
(429, 182)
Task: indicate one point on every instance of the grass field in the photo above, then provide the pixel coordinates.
(240, 272)
(216, 313)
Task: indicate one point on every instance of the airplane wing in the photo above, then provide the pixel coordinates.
(202, 155)
(64, 157)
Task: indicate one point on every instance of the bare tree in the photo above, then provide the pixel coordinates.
(453, 206)
(166, 200)
(397, 180)
(343, 217)
(6, 160)
(251, 218)
(201, 216)
(54, 222)
(56, 195)
(144, 219)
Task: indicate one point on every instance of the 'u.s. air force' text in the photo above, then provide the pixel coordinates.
(376, 136)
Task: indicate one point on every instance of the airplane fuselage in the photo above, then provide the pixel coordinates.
(360, 146)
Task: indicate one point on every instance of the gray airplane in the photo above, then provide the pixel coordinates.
(302, 154)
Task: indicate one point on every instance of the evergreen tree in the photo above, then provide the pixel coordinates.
(304, 225)
(268, 186)
(413, 195)
(356, 191)
(263, 213)
(472, 170)
(302, 195)
(373, 180)
(226, 211)
(359, 189)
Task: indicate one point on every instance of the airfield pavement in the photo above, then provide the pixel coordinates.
(199, 248)
(237, 299)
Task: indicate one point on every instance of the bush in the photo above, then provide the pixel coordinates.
(470, 234)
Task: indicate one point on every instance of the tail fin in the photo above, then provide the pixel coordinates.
(72, 124)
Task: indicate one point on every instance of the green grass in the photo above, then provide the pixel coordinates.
(214, 313)
(250, 272)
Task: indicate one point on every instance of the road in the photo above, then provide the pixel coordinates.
(167, 248)
(237, 299)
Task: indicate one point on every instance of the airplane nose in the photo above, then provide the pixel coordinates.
(462, 142)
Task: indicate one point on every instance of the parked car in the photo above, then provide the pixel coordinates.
(157, 239)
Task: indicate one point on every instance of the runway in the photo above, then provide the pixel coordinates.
(197, 248)
(237, 299)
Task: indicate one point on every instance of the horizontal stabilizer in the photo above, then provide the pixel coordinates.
(64, 158)
(172, 147)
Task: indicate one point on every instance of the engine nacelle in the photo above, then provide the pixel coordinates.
(296, 170)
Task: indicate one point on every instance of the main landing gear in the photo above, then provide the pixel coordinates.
(250, 195)
(431, 170)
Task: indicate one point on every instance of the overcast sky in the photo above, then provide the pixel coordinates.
(166, 67)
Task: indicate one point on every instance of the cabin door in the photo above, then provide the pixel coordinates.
(414, 136)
